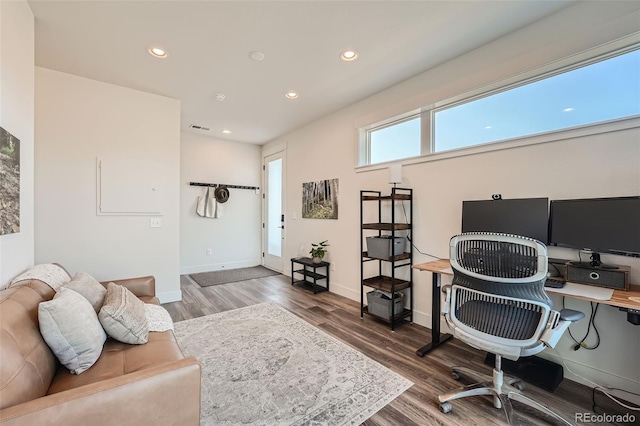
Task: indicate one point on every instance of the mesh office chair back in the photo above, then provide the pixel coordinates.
(498, 290)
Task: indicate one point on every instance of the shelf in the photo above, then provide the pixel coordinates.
(310, 277)
(309, 262)
(387, 220)
(396, 258)
(398, 197)
(402, 315)
(384, 283)
(386, 226)
(311, 274)
(309, 286)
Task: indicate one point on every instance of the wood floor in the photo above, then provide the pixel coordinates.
(340, 317)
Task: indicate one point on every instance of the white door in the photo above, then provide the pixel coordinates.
(273, 222)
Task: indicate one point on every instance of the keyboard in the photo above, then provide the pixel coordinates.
(554, 282)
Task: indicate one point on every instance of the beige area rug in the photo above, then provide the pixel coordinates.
(262, 365)
(225, 276)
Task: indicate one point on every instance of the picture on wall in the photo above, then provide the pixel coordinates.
(320, 199)
(9, 183)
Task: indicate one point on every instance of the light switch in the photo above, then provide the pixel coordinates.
(155, 222)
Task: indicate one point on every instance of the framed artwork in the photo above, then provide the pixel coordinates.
(320, 199)
(9, 183)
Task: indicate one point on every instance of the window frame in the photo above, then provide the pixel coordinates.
(427, 113)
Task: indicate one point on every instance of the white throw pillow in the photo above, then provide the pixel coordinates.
(90, 288)
(123, 317)
(71, 328)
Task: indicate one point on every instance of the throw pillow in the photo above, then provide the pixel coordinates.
(122, 316)
(71, 328)
(89, 287)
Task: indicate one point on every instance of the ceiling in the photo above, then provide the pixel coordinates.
(208, 45)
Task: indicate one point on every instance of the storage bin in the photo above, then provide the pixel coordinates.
(382, 247)
(380, 305)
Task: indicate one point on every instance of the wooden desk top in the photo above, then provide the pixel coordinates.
(623, 299)
(436, 266)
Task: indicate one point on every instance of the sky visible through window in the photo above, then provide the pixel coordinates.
(602, 91)
(397, 141)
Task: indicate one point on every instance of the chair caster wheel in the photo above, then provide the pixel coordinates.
(445, 407)
(456, 375)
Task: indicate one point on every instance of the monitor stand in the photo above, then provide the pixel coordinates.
(595, 263)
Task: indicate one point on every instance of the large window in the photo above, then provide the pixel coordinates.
(596, 91)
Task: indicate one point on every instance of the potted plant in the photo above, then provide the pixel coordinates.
(318, 251)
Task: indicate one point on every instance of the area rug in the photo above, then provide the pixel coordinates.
(262, 365)
(225, 276)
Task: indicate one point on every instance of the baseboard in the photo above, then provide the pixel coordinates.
(602, 378)
(185, 270)
(344, 291)
(170, 296)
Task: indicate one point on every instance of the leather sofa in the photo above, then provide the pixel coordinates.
(150, 384)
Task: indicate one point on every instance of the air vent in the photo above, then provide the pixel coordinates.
(195, 126)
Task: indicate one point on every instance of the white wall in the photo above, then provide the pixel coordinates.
(16, 116)
(77, 121)
(234, 238)
(595, 166)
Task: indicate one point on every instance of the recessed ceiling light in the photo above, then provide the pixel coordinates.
(567, 109)
(291, 95)
(256, 56)
(226, 132)
(157, 52)
(220, 96)
(349, 55)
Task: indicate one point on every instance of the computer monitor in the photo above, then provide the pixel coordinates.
(599, 225)
(520, 216)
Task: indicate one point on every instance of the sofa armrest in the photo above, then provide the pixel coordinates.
(141, 286)
(167, 394)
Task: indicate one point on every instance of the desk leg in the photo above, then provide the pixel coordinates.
(436, 338)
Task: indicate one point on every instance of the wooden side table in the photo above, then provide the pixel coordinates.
(310, 274)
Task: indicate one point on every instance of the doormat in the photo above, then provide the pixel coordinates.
(225, 276)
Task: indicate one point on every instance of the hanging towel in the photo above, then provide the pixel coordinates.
(207, 206)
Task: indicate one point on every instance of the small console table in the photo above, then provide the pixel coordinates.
(310, 274)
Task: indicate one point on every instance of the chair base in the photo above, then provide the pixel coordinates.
(502, 394)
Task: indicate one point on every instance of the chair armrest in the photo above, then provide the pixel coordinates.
(571, 315)
(167, 394)
(141, 286)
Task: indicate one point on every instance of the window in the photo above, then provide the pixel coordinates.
(602, 91)
(395, 141)
(596, 91)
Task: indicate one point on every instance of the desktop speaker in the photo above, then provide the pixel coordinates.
(610, 278)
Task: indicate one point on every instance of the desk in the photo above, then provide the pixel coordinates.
(437, 268)
(620, 299)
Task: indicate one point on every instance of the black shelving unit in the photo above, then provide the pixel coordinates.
(388, 224)
(310, 274)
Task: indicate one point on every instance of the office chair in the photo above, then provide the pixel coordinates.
(497, 303)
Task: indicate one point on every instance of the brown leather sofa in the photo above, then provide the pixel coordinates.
(150, 384)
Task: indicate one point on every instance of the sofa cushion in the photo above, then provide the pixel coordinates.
(71, 328)
(119, 359)
(27, 365)
(123, 317)
(88, 287)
